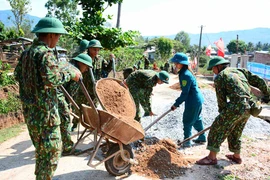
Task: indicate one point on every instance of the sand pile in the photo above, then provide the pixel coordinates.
(160, 159)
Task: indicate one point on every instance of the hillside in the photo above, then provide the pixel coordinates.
(250, 35)
(7, 18)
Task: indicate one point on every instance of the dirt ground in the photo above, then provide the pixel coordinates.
(157, 160)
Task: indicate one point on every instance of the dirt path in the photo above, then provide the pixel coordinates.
(17, 159)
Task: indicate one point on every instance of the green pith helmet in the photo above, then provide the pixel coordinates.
(49, 25)
(180, 58)
(217, 60)
(163, 76)
(83, 45)
(84, 58)
(94, 43)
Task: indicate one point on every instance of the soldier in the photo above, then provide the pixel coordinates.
(39, 75)
(192, 97)
(82, 48)
(233, 84)
(146, 62)
(94, 47)
(140, 84)
(82, 62)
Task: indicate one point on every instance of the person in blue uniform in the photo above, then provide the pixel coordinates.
(192, 97)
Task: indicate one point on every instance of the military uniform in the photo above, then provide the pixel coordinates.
(39, 75)
(233, 96)
(192, 97)
(140, 84)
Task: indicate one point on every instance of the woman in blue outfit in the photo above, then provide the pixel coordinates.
(192, 97)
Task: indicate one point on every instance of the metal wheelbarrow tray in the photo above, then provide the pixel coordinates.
(118, 131)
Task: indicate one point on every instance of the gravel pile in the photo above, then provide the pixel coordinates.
(171, 125)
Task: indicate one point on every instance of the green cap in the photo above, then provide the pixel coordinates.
(180, 58)
(94, 43)
(49, 25)
(84, 58)
(163, 76)
(83, 45)
(217, 60)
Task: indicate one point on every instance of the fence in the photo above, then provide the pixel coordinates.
(261, 70)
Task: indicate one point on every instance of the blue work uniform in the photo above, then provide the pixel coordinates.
(193, 99)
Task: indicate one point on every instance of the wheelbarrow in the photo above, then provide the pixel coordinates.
(117, 133)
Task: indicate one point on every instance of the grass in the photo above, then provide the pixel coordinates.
(10, 132)
(229, 177)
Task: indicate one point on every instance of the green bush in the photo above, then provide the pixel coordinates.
(11, 104)
(5, 78)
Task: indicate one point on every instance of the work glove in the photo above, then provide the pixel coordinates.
(266, 99)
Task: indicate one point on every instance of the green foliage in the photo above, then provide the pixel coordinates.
(65, 10)
(232, 46)
(164, 46)
(19, 9)
(184, 38)
(11, 104)
(7, 133)
(203, 60)
(125, 57)
(178, 46)
(5, 79)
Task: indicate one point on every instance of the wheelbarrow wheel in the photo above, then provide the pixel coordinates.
(116, 165)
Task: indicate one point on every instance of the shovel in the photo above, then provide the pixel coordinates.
(150, 125)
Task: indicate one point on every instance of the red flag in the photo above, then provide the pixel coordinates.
(208, 50)
(220, 46)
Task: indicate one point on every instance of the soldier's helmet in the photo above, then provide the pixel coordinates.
(94, 43)
(83, 45)
(163, 76)
(49, 25)
(217, 60)
(180, 58)
(84, 58)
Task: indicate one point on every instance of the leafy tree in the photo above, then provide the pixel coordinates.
(258, 46)
(65, 10)
(164, 46)
(2, 31)
(250, 47)
(184, 38)
(178, 46)
(92, 25)
(232, 46)
(19, 9)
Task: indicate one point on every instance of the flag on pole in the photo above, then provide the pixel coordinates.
(208, 50)
(220, 46)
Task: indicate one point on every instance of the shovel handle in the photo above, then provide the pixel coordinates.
(199, 133)
(150, 125)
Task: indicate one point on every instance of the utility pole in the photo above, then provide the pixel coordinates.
(237, 44)
(199, 52)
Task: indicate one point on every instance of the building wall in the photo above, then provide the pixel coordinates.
(263, 58)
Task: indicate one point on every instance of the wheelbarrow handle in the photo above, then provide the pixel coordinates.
(154, 122)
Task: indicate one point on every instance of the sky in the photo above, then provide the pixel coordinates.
(168, 17)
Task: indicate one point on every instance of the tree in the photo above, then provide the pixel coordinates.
(232, 46)
(250, 47)
(19, 9)
(184, 38)
(164, 46)
(178, 46)
(65, 10)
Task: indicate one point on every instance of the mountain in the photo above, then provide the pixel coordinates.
(251, 35)
(5, 14)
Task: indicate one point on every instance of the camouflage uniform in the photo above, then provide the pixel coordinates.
(64, 109)
(233, 84)
(140, 84)
(97, 67)
(38, 75)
